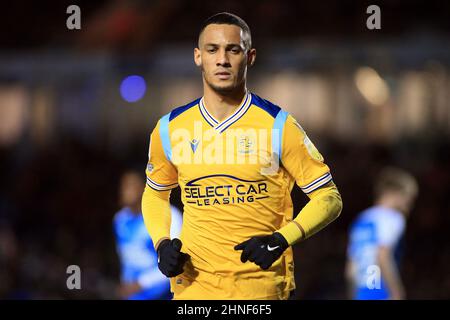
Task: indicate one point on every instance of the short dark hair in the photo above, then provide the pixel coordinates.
(229, 18)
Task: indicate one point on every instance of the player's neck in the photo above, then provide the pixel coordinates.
(389, 203)
(135, 209)
(223, 105)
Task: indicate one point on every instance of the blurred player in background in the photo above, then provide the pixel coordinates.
(238, 225)
(140, 277)
(372, 270)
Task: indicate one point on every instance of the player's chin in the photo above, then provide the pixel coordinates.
(224, 86)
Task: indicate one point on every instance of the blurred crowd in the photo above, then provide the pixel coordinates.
(138, 25)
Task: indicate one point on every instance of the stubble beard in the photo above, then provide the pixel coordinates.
(226, 90)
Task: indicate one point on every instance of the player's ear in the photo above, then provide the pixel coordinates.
(251, 57)
(197, 57)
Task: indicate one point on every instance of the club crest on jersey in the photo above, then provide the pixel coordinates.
(312, 150)
(194, 144)
(246, 144)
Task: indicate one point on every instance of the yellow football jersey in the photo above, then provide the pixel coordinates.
(235, 176)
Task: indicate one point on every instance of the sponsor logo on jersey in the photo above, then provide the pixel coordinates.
(206, 190)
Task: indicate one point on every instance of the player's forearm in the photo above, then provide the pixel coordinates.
(350, 279)
(390, 274)
(325, 205)
(156, 212)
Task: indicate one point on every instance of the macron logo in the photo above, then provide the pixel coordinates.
(194, 144)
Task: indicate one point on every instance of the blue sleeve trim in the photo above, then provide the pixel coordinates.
(277, 132)
(165, 137)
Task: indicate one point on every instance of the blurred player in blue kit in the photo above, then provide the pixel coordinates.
(141, 278)
(372, 266)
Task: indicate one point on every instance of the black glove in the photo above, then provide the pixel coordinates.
(170, 259)
(263, 250)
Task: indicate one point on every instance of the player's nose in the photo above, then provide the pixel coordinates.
(222, 58)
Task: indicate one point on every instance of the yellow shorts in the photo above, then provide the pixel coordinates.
(260, 286)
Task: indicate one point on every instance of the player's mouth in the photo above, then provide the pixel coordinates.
(223, 75)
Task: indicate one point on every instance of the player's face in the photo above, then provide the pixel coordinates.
(407, 202)
(131, 189)
(223, 57)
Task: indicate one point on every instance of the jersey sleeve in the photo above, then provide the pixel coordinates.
(126, 273)
(161, 173)
(302, 159)
(389, 230)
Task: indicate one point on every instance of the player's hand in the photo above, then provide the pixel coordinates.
(125, 290)
(170, 259)
(263, 250)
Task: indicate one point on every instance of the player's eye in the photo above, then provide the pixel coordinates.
(235, 50)
(211, 50)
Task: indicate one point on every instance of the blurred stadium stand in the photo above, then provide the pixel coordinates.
(366, 98)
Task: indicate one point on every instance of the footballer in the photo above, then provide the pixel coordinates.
(236, 157)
